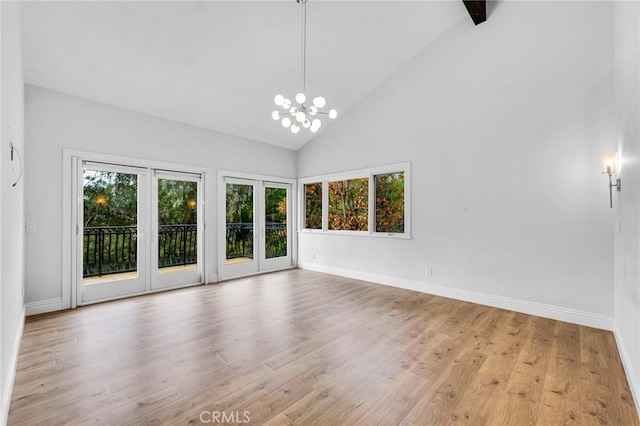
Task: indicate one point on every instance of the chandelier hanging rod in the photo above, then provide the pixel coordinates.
(304, 45)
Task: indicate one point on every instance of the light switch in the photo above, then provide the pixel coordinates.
(31, 227)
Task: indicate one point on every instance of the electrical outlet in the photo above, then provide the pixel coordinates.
(429, 271)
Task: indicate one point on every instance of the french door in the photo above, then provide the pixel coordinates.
(176, 258)
(257, 227)
(138, 230)
(111, 232)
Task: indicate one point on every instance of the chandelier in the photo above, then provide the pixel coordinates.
(294, 115)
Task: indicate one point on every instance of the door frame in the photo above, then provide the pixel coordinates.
(221, 217)
(71, 163)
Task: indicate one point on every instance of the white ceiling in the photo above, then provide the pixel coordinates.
(219, 64)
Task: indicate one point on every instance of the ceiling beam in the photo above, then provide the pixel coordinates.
(477, 9)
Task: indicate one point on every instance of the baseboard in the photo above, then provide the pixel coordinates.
(8, 386)
(524, 306)
(44, 306)
(630, 372)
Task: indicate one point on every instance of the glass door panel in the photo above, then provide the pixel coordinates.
(177, 253)
(277, 235)
(240, 224)
(275, 222)
(112, 244)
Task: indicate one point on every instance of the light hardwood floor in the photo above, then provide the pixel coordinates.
(304, 348)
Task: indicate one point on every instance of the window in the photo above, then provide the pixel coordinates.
(390, 202)
(370, 202)
(349, 205)
(313, 205)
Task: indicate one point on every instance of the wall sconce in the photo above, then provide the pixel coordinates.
(610, 167)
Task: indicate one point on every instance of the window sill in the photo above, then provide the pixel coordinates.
(357, 234)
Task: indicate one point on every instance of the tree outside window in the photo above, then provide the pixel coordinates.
(313, 205)
(390, 202)
(349, 205)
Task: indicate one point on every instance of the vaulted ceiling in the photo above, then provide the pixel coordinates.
(218, 64)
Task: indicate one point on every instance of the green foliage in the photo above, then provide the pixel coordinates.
(275, 213)
(313, 205)
(110, 199)
(239, 203)
(275, 205)
(349, 205)
(177, 202)
(390, 203)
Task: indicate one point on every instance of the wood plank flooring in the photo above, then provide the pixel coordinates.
(303, 348)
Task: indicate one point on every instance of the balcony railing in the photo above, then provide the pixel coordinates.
(113, 249)
(240, 240)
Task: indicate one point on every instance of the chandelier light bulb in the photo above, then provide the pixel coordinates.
(316, 123)
(333, 113)
(295, 129)
(293, 110)
(300, 98)
(278, 100)
(301, 116)
(313, 110)
(275, 115)
(286, 122)
(286, 103)
(306, 123)
(313, 129)
(319, 102)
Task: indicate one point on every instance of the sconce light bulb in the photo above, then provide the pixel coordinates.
(609, 163)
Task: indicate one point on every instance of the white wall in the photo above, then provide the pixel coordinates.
(11, 201)
(56, 121)
(627, 218)
(505, 124)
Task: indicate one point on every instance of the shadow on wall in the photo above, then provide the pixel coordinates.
(491, 7)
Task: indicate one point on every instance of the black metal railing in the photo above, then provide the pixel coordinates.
(240, 240)
(275, 240)
(109, 250)
(177, 245)
(113, 249)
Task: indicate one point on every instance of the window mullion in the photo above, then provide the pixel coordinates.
(325, 205)
(372, 204)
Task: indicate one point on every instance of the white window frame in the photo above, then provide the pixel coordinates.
(370, 173)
